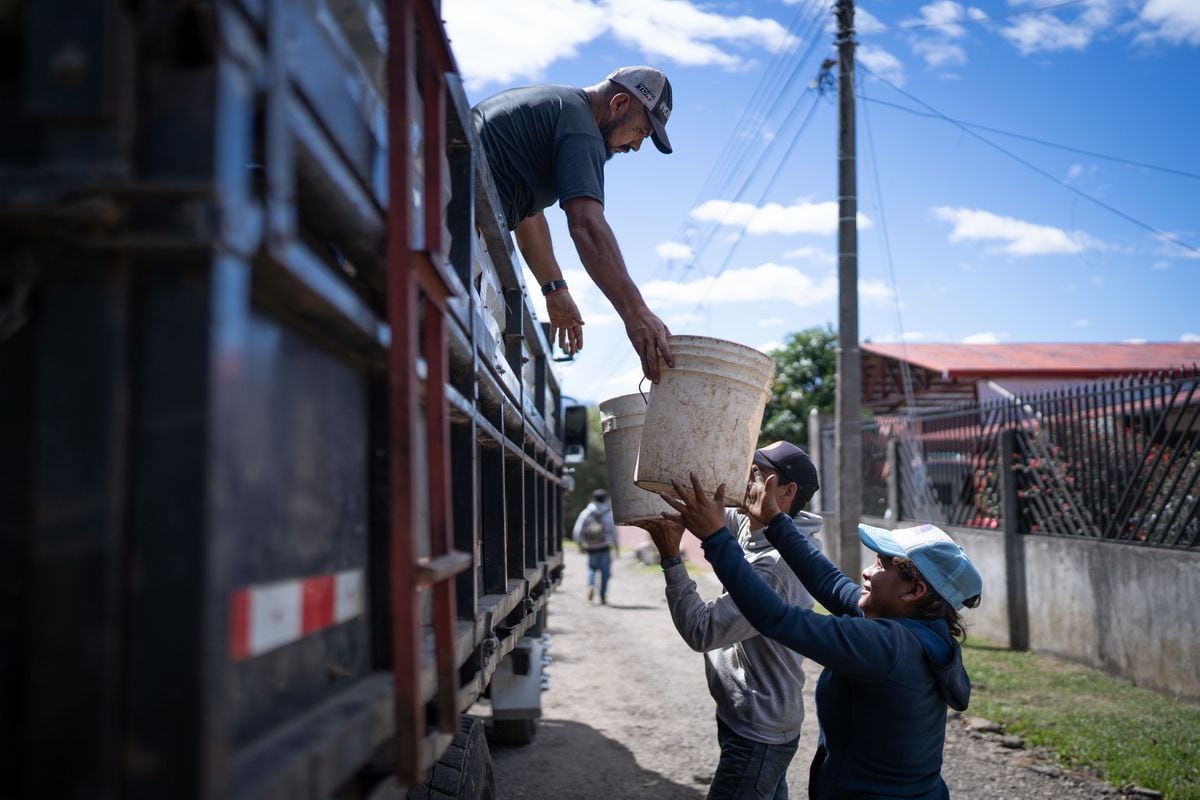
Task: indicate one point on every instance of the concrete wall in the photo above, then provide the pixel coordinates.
(1129, 610)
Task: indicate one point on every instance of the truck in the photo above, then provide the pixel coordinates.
(282, 452)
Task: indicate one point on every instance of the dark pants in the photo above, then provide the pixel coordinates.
(750, 769)
(600, 561)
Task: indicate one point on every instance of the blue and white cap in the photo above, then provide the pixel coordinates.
(939, 558)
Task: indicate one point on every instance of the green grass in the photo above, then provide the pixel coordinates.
(1125, 733)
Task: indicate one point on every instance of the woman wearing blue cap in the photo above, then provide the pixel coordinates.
(892, 660)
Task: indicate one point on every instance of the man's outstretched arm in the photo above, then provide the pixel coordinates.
(602, 259)
(533, 238)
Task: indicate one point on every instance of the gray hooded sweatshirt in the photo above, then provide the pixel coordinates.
(757, 682)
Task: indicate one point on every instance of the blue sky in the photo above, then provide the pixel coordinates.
(982, 248)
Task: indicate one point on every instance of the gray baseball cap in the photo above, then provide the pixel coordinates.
(654, 90)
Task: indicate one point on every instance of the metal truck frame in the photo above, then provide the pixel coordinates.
(281, 461)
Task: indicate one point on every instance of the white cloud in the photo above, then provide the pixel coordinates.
(1190, 337)
(772, 322)
(1161, 265)
(984, 337)
(945, 14)
(1176, 21)
(866, 23)
(769, 281)
(1045, 33)
(816, 255)
(681, 32)
(1097, 280)
(875, 292)
(670, 251)
(1020, 238)
(1082, 323)
(882, 63)
(818, 218)
(1170, 248)
(768, 347)
(936, 44)
(940, 54)
(977, 14)
(1133, 341)
(537, 33)
(1074, 172)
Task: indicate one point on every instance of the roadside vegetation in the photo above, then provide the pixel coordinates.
(1126, 734)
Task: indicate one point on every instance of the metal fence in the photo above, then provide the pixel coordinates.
(1117, 460)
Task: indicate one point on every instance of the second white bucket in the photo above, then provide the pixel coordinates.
(704, 417)
(621, 423)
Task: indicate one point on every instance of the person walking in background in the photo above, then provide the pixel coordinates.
(546, 143)
(890, 647)
(596, 535)
(756, 682)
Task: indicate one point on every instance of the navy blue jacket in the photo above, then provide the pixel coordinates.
(881, 700)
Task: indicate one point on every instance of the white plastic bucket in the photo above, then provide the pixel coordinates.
(704, 417)
(621, 420)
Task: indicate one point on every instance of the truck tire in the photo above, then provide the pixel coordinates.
(513, 731)
(464, 772)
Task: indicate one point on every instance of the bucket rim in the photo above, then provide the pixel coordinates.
(619, 406)
(712, 341)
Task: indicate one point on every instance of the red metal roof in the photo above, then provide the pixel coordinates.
(1079, 360)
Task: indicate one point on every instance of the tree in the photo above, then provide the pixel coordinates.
(805, 378)
(590, 474)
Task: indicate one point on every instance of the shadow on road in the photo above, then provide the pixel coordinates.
(572, 761)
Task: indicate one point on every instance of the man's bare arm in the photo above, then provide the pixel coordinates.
(602, 259)
(533, 238)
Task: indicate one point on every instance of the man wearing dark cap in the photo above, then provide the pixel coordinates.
(756, 682)
(546, 143)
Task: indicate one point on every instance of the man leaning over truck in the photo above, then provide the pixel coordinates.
(756, 682)
(546, 143)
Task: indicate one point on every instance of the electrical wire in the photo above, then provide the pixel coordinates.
(1034, 139)
(924, 500)
(1111, 209)
(722, 187)
(762, 196)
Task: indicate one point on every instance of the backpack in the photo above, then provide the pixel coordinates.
(592, 535)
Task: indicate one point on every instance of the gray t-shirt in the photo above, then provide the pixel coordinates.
(542, 143)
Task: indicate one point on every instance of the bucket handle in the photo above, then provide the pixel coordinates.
(643, 394)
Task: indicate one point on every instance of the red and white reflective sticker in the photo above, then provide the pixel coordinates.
(265, 617)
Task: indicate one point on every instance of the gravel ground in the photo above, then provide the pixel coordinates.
(628, 714)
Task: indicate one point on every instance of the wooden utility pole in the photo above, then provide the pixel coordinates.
(848, 441)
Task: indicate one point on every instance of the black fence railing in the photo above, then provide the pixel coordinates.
(1116, 460)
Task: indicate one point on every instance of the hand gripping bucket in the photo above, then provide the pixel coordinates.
(621, 424)
(704, 417)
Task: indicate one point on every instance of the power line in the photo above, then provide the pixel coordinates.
(762, 196)
(980, 19)
(1034, 139)
(1112, 209)
(762, 100)
(742, 156)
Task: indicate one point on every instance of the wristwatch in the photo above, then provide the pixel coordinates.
(670, 561)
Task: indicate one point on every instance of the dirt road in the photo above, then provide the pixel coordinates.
(628, 714)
